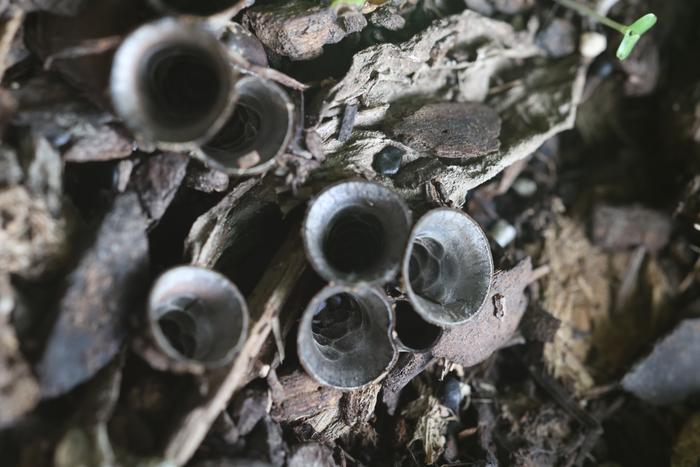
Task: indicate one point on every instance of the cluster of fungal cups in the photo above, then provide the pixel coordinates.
(178, 83)
(359, 236)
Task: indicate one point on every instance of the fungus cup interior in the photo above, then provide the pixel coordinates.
(171, 82)
(182, 84)
(197, 314)
(257, 132)
(357, 231)
(344, 337)
(448, 267)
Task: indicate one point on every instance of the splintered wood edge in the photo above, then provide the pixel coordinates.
(265, 304)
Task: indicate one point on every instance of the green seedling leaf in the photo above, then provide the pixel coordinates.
(643, 24)
(627, 45)
(342, 4)
(633, 33)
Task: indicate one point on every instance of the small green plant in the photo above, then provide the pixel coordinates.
(631, 34)
(351, 4)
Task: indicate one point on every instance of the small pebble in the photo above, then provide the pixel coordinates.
(525, 187)
(503, 233)
(592, 44)
(388, 160)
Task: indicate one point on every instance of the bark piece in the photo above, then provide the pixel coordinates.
(456, 130)
(303, 397)
(207, 180)
(101, 143)
(157, 181)
(475, 52)
(10, 25)
(621, 227)
(670, 373)
(387, 17)
(473, 342)
(358, 406)
(408, 366)
(598, 341)
(250, 407)
(100, 294)
(50, 108)
(299, 30)
(265, 442)
(233, 221)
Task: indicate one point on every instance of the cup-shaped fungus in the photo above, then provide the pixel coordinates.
(172, 83)
(257, 132)
(197, 315)
(448, 267)
(356, 231)
(344, 337)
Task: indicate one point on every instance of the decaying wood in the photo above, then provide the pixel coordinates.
(265, 305)
(229, 221)
(388, 80)
(407, 367)
(299, 396)
(300, 29)
(473, 342)
(330, 412)
(465, 98)
(451, 129)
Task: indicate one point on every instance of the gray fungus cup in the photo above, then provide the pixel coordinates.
(172, 84)
(197, 315)
(356, 232)
(256, 134)
(345, 337)
(448, 267)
